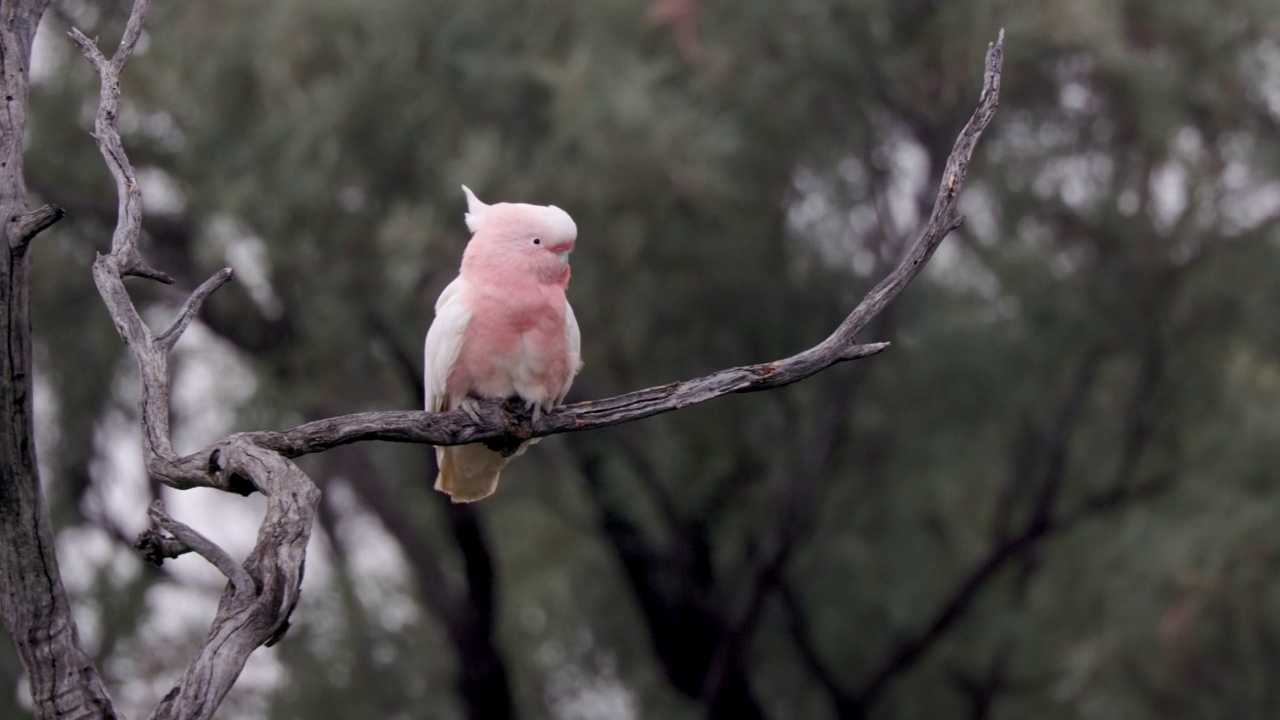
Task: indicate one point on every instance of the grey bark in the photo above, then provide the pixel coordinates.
(261, 594)
(33, 603)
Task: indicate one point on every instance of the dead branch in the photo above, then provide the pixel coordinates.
(192, 541)
(262, 592)
(30, 224)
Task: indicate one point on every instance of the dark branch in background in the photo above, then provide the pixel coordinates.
(1039, 468)
(850, 703)
(465, 610)
(981, 691)
(911, 649)
(802, 636)
(675, 589)
(792, 521)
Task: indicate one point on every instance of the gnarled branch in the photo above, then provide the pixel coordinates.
(190, 540)
(262, 592)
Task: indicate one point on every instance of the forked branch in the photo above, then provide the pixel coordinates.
(261, 593)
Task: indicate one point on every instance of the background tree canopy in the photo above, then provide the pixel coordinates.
(1052, 497)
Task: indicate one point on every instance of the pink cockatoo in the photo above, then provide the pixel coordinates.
(503, 329)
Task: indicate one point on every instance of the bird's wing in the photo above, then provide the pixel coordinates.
(573, 340)
(444, 341)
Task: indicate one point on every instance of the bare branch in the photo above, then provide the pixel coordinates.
(89, 49)
(189, 309)
(30, 224)
(132, 31)
(205, 548)
(262, 593)
(945, 216)
(247, 620)
(156, 547)
(124, 241)
(153, 363)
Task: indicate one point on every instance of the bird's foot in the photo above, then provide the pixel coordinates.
(471, 406)
(535, 411)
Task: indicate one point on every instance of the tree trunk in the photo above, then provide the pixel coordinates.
(675, 590)
(33, 603)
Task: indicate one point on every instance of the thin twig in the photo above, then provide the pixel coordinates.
(155, 547)
(192, 540)
(124, 241)
(189, 309)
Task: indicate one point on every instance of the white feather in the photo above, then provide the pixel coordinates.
(476, 210)
(444, 342)
(573, 336)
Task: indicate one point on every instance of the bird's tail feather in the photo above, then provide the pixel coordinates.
(469, 472)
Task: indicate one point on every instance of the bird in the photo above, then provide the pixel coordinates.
(502, 329)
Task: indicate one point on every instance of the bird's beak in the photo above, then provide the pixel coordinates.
(562, 252)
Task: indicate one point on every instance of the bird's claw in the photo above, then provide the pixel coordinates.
(471, 406)
(535, 411)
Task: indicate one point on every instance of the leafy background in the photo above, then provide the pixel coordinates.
(1052, 497)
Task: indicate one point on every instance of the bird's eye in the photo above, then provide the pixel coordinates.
(537, 241)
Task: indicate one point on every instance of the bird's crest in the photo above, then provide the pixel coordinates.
(476, 210)
(556, 219)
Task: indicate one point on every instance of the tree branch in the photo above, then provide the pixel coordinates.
(246, 620)
(192, 306)
(155, 547)
(262, 593)
(30, 224)
(842, 701)
(911, 649)
(192, 541)
(124, 241)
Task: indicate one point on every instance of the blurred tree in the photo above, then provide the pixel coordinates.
(1052, 498)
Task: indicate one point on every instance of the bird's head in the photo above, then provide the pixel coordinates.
(529, 240)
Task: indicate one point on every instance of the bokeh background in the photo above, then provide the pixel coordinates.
(1054, 496)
